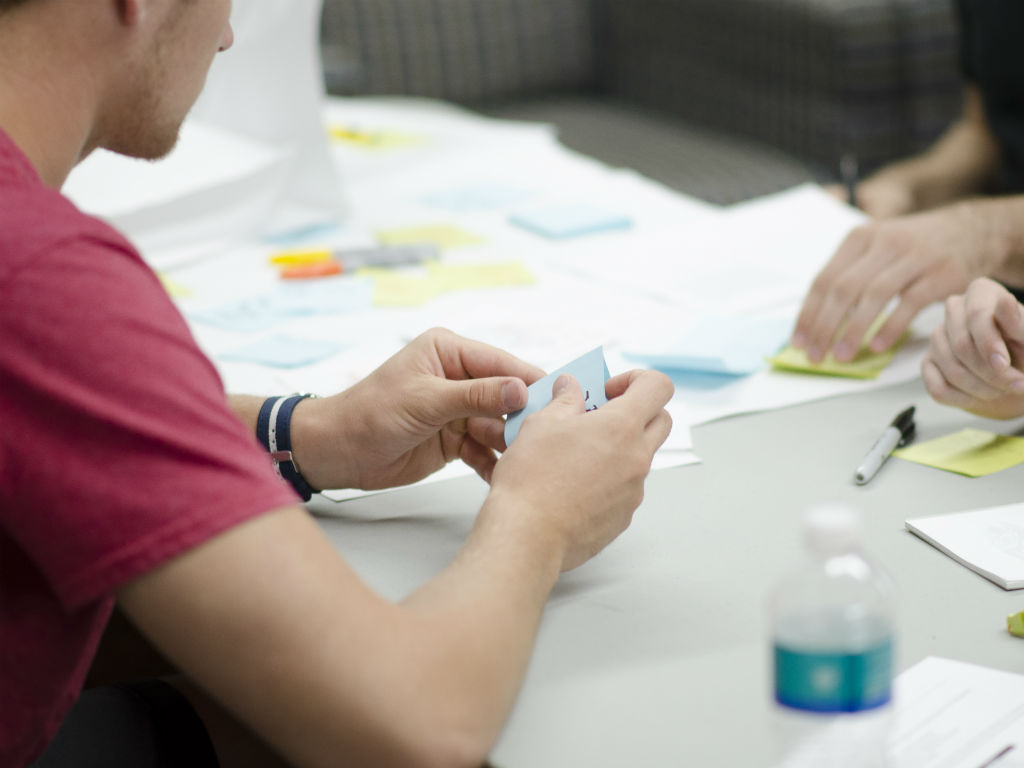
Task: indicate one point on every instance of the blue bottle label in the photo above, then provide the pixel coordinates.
(834, 682)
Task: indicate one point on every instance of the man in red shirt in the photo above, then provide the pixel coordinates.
(128, 477)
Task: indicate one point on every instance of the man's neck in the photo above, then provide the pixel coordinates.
(47, 114)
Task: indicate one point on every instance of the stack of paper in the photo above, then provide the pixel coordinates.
(988, 541)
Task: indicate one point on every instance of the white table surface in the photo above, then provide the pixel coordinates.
(656, 652)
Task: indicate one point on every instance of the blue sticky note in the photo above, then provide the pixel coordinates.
(250, 315)
(483, 196)
(328, 295)
(562, 221)
(735, 346)
(590, 370)
(283, 351)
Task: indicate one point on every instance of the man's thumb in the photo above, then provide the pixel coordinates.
(566, 392)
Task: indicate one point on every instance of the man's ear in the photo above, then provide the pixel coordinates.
(130, 12)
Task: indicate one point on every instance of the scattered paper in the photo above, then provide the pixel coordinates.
(407, 289)
(971, 452)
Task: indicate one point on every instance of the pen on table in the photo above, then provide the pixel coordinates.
(900, 432)
(998, 756)
(848, 173)
(298, 264)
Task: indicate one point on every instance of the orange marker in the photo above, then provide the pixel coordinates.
(317, 269)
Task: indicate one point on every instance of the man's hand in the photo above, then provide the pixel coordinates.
(975, 357)
(881, 196)
(575, 478)
(439, 399)
(916, 259)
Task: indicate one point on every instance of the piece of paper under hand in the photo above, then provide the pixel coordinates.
(971, 452)
(590, 370)
(865, 365)
(988, 541)
(735, 346)
(282, 351)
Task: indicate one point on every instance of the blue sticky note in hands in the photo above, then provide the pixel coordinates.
(283, 351)
(591, 371)
(562, 221)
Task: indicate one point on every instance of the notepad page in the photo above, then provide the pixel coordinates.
(988, 541)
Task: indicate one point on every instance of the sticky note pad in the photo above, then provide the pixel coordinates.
(735, 346)
(442, 235)
(1015, 624)
(590, 370)
(251, 315)
(563, 221)
(283, 351)
(971, 452)
(397, 289)
(865, 364)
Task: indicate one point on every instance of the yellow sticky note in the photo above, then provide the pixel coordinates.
(368, 139)
(1015, 624)
(174, 288)
(442, 235)
(865, 364)
(971, 452)
(402, 289)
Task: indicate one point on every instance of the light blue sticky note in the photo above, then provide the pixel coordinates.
(251, 315)
(324, 296)
(590, 370)
(562, 221)
(736, 346)
(283, 351)
(482, 196)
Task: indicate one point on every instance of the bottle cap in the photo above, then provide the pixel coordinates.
(832, 529)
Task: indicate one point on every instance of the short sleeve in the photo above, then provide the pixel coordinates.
(119, 449)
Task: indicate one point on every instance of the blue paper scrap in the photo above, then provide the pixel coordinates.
(736, 346)
(590, 370)
(482, 196)
(283, 351)
(324, 296)
(562, 221)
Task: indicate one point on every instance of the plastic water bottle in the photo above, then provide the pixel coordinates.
(832, 636)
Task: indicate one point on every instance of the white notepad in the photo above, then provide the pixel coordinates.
(988, 541)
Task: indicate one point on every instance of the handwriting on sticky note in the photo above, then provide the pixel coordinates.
(971, 452)
(590, 370)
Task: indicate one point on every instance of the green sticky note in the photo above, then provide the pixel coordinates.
(1015, 624)
(971, 452)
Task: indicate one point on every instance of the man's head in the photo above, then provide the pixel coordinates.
(176, 43)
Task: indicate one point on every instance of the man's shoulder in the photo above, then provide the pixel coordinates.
(35, 220)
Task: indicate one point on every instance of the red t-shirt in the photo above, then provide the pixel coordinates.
(117, 447)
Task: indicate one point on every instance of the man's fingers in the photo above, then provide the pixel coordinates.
(953, 370)
(489, 432)
(478, 457)
(819, 318)
(657, 431)
(642, 392)
(940, 389)
(464, 358)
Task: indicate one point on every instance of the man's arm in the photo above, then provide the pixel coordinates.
(275, 626)
(961, 163)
